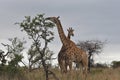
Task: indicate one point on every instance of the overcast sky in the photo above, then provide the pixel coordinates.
(91, 19)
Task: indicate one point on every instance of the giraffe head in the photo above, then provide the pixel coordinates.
(70, 31)
(53, 19)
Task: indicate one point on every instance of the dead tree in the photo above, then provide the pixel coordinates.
(92, 47)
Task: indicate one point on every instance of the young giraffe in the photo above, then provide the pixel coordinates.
(61, 59)
(72, 52)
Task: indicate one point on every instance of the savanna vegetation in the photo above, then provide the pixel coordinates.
(39, 66)
(38, 74)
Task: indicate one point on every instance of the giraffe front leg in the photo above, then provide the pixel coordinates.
(70, 67)
(64, 66)
(85, 69)
(85, 72)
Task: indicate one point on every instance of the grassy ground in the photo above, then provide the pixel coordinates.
(104, 74)
(95, 74)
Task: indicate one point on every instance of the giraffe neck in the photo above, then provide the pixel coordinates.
(62, 36)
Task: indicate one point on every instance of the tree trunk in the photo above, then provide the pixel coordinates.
(89, 62)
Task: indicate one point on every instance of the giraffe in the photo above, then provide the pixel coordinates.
(72, 52)
(61, 60)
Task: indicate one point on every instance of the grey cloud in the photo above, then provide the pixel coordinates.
(90, 18)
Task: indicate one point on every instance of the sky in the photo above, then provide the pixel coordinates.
(91, 19)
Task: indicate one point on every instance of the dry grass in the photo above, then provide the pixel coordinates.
(104, 74)
(95, 74)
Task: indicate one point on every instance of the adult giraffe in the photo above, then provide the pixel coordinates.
(72, 52)
(61, 54)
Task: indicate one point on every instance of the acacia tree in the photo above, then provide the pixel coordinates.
(92, 47)
(14, 50)
(13, 57)
(39, 31)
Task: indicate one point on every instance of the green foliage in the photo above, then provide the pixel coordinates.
(37, 27)
(14, 51)
(14, 62)
(116, 64)
(33, 56)
(12, 57)
(16, 46)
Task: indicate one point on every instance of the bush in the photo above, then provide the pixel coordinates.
(116, 64)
